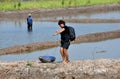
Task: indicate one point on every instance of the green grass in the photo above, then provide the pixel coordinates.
(5, 6)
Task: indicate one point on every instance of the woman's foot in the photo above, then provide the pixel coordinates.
(67, 61)
(64, 62)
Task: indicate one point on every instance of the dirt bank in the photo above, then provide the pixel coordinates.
(42, 13)
(84, 69)
(45, 45)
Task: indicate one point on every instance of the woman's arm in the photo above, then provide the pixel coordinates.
(59, 31)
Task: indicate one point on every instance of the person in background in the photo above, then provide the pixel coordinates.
(65, 42)
(29, 22)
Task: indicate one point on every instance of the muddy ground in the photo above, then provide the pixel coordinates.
(43, 13)
(83, 69)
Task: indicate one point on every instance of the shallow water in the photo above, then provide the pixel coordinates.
(104, 49)
(14, 33)
(105, 15)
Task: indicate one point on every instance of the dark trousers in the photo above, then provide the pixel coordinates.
(29, 26)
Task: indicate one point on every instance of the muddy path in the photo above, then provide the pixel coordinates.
(46, 45)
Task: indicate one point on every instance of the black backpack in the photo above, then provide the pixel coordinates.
(72, 33)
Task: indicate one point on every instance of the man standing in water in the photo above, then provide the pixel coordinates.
(65, 42)
(29, 22)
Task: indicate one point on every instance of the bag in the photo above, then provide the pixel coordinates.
(72, 33)
(47, 59)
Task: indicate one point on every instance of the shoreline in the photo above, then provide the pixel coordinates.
(41, 13)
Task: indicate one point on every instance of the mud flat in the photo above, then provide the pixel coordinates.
(82, 69)
(55, 12)
(45, 45)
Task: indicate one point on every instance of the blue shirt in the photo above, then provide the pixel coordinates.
(29, 20)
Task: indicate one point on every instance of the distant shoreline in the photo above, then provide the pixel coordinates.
(54, 12)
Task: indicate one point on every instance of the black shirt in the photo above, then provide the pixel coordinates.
(65, 34)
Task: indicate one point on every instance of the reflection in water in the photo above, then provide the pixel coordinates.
(29, 30)
(18, 23)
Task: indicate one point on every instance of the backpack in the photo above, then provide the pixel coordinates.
(72, 33)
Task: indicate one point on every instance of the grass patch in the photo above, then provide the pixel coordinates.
(52, 4)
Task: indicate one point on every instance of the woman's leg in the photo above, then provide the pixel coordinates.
(62, 53)
(66, 55)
